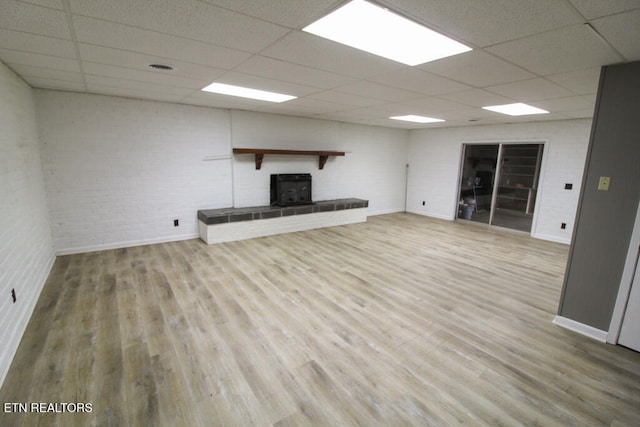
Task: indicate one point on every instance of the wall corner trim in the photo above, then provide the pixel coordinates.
(581, 328)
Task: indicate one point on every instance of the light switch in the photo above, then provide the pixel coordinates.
(603, 184)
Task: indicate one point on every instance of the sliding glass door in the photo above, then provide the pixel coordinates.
(476, 182)
(518, 186)
(508, 201)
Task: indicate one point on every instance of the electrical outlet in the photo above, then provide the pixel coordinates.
(563, 225)
(568, 186)
(13, 295)
(424, 203)
(176, 223)
(603, 183)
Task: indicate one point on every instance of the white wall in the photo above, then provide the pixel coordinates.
(119, 171)
(373, 167)
(435, 156)
(26, 251)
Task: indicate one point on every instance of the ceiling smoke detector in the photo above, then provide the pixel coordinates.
(161, 67)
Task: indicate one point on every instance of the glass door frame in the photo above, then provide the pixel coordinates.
(539, 173)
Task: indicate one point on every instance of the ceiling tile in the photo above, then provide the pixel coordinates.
(596, 8)
(581, 82)
(108, 34)
(38, 60)
(53, 4)
(416, 80)
(432, 106)
(580, 114)
(476, 98)
(395, 124)
(136, 93)
(91, 68)
(485, 23)
(49, 83)
(384, 110)
(19, 16)
(477, 68)
(139, 61)
(475, 115)
(28, 72)
(290, 13)
(538, 52)
(302, 107)
(373, 117)
(26, 42)
(316, 52)
(354, 116)
(104, 82)
(282, 70)
(345, 99)
(559, 105)
(186, 18)
(380, 114)
(263, 83)
(623, 32)
(378, 91)
(222, 101)
(536, 118)
(566, 49)
(531, 90)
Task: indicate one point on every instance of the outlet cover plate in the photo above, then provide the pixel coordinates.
(603, 183)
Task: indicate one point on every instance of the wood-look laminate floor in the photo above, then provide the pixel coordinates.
(402, 320)
(505, 218)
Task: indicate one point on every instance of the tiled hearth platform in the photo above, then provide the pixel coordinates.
(229, 224)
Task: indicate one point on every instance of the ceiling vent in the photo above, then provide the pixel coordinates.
(161, 67)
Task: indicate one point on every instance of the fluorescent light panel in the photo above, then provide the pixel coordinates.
(376, 30)
(246, 92)
(517, 109)
(417, 119)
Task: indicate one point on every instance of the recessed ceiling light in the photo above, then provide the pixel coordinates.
(376, 30)
(161, 67)
(517, 109)
(417, 119)
(246, 92)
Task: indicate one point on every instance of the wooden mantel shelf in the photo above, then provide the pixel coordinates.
(260, 152)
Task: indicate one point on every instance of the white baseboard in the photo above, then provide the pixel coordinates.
(384, 212)
(551, 238)
(581, 328)
(128, 244)
(429, 214)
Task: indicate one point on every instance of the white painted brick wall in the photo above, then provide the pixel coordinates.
(565, 165)
(119, 171)
(26, 251)
(373, 167)
(434, 164)
(434, 169)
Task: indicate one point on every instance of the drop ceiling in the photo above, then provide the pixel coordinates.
(546, 53)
